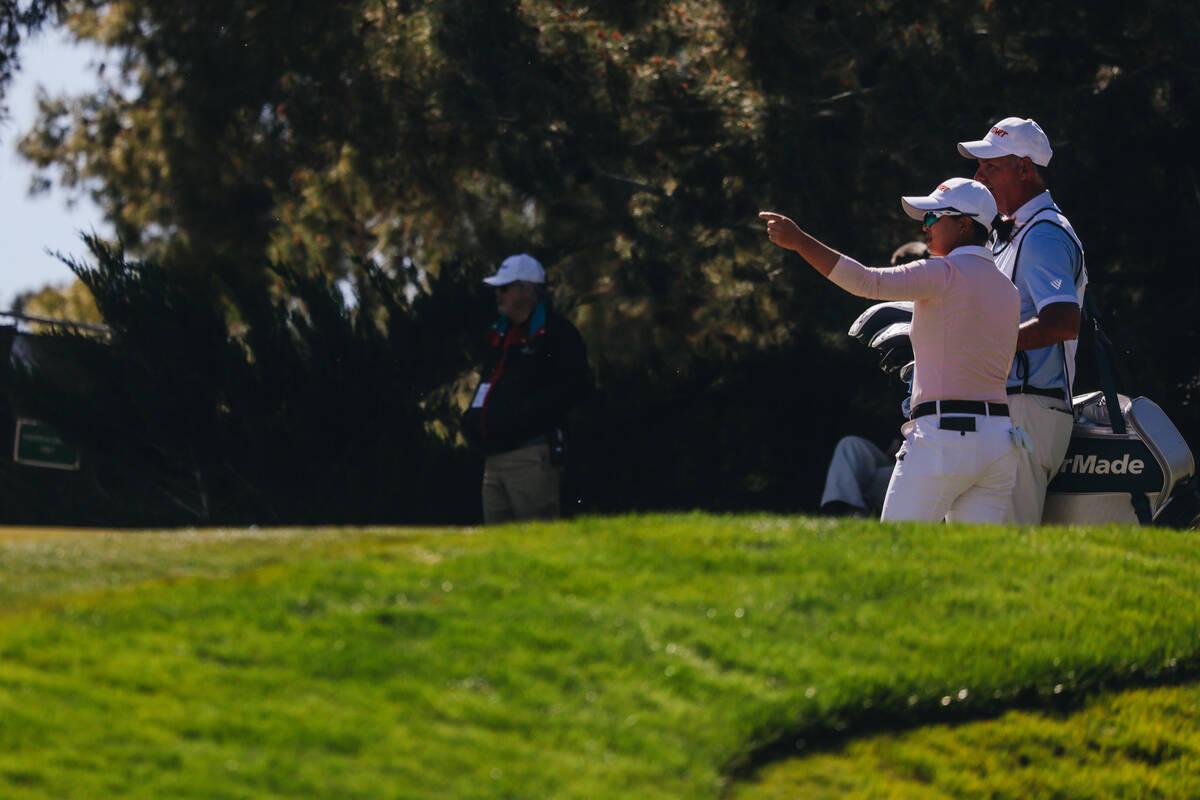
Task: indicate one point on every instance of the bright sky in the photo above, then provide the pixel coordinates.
(31, 225)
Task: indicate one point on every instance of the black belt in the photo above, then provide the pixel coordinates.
(1057, 394)
(959, 407)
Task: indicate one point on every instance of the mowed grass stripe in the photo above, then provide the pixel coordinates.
(43, 565)
(1140, 743)
(634, 656)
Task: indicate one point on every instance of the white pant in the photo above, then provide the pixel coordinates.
(1049, 430)
(953, 475)
(858, 475)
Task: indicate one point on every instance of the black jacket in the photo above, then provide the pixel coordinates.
(532, 375)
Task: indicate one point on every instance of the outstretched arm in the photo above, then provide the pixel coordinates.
(787, 234)
(914, 281)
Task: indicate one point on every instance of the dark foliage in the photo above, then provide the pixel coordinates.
(311, 413)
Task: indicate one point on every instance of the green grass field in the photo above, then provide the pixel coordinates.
(686, 656)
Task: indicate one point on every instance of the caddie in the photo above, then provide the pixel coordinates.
(1044, 258)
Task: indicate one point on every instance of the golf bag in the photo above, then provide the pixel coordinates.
(1125, 468)
(1132, 466)
(1126, 461)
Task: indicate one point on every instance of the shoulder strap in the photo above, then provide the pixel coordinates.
(1103, 348)
(1033, 223)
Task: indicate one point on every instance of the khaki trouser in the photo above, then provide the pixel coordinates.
(1049, 428)
(521, 484)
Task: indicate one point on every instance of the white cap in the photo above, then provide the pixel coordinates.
(1011, 136)
(961, 195)
(521, 267)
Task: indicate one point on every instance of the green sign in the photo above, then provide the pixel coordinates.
(37, 444)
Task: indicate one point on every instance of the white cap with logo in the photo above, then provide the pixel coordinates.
(521, 267)
(1011, 136)
(961, 195)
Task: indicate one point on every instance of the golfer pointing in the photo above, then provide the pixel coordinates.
(959, 457)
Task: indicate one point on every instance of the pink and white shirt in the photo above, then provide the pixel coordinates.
(965, 319)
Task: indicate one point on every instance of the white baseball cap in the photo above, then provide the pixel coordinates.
(1011, 136)
(521, 267)
(957, 195)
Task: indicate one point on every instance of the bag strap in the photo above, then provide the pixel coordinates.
(1104, 350)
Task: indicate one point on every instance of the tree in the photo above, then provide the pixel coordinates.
(436, 132)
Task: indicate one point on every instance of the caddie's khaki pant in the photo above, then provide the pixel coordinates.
(1049, 428)
(521, 484)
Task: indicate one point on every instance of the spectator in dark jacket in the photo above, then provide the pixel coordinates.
(534, 372)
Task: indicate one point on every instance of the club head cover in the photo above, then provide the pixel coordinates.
(895, 346)
(878, 317)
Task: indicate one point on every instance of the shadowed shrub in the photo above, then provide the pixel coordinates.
(216, 402)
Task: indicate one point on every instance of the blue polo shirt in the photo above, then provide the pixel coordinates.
(1049, 269)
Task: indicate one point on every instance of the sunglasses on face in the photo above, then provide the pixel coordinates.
(933, 216)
